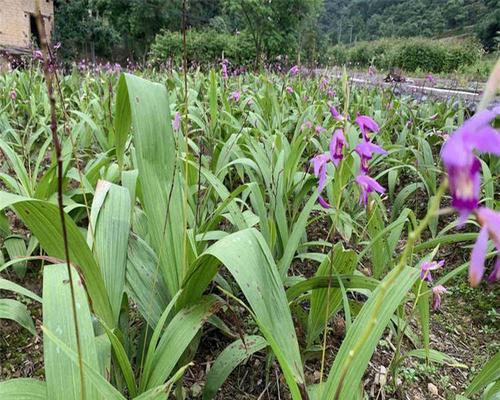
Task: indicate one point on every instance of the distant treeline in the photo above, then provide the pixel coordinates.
(258, 31)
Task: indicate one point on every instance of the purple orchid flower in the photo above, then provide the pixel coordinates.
(13, 95)
(331, 93)
(437, 291)
(427, 267)
(490, 228)
(294, 70)
(176, 123)
(289, 89)
(365, 150)
(462, 165)
(337, 144)
(368, 185)
(235, 96)
(319, 129)
(306, 125)
(335, 114)
(37, 55)
(323, 202)
(319, 163)
(366, 125)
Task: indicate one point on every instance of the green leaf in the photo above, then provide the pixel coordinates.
(17, 311)
(144, 106)
(14, 287)
(228, 360)
(176, 338)
(43, 219)
(108, 237)
(361, 340)
(343, 262)
(435, 356)
(16, 247)
(144, 283)
(489, 373)
(62, 374)
(100, 386)
(247, 257)
(23, 389)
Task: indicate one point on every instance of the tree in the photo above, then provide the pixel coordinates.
(272, 24)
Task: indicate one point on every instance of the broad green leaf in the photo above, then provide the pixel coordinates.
(144, 283)
(175, 339)
(16, 247)
(43, 219)
(100, 386)
(228, 360)
(489, 373)
(247, 257)
(108, 237)
(144, 106)
(17, 311)
(62, 374)
(14, 287)
(23, 389)
(326, 302)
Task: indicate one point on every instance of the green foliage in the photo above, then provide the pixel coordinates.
(237, 48)
(416, 54)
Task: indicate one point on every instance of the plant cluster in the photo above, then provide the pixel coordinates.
(164, 210)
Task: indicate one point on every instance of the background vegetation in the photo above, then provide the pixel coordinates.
(252, 32)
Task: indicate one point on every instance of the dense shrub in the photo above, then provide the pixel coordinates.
(203, 47)
(409, 54)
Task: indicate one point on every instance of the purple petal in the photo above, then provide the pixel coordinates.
(323, 202)
(477, 258)
(495, 274)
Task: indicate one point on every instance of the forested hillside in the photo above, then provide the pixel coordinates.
(351, 20)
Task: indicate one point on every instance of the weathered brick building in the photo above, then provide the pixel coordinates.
(18, 24)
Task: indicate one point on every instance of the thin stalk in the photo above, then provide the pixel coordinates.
(186, 132)
(57, 149)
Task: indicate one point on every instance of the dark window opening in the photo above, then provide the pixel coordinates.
(35, 36)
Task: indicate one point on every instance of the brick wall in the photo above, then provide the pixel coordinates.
(15, 21)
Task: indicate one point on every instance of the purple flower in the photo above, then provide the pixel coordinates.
(294, 70)
(224, 70)
(335, 114)
(490, 228)
(176, 123)
(323, 202)
(331, 93)
(462, 165)
(367, 185)
(365, 150)
(235, 96)
(437, 291)
(475, 134)
(306, 125)
(319, 163)
(427, 267)
(37, 55)
(323, 84)
(366, 125)
(336, 146)
(57, 46)
(319, 129)
(431, 79)
(13, 95)
(289, 89)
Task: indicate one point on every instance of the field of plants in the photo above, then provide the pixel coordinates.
(259, 236)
